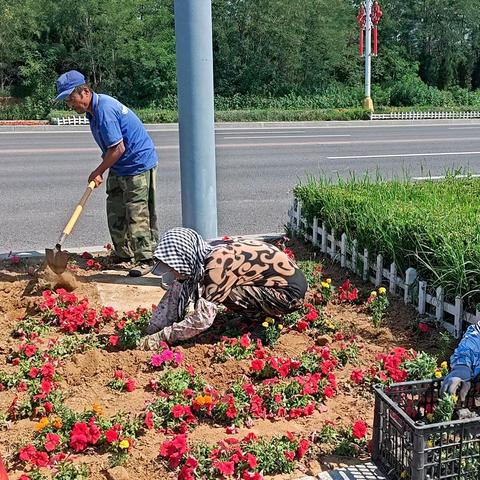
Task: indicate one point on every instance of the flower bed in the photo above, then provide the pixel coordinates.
(242, 401)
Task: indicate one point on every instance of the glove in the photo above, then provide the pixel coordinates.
(152, 342)
(460, 376)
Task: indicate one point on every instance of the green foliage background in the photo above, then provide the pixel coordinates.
(268, 54)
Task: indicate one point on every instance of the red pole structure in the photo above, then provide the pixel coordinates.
(361, 17)
(376, 15)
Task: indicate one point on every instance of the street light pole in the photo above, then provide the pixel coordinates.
(367, 102)
(193, 33)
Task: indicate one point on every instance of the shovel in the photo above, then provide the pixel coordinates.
(57, 259)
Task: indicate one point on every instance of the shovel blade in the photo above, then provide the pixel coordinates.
(56, 260)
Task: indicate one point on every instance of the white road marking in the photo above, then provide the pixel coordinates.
(429, 154)
(464, 128)
(282, 136)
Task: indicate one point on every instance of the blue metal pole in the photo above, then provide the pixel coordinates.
(193, 31)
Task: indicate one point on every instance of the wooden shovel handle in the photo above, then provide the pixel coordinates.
(78, 209)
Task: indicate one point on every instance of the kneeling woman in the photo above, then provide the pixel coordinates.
(252, 278)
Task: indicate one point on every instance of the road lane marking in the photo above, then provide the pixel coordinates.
(464, 128)
(429, 154)
(282, 136)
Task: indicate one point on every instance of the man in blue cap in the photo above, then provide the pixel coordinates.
(129, 155)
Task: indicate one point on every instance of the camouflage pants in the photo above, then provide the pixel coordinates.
(132, 220)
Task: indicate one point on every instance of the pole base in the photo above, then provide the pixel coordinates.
(368, 104)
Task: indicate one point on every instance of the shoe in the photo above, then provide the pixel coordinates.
(141, 268)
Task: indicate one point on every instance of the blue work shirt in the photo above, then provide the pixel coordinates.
(468, 351)
(112, 122)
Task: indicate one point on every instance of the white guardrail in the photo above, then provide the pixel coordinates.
(414, 290)
(74, 120)
(423, 115)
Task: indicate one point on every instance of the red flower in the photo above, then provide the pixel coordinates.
(90, 262)
(30, 350)
(245, 341)
(79, 437)
(130, 385)
(27, 452)
(111, 435)
(174, 450)
(113, 340)
(356, 376)
(423, 327)
(48, 406)
(46, 386)
(289, 455)
(118, 374)
(149, 420)
(48, 371)
(51, 442)
(40, 459)
(328, 391)
(225, 468)
(311, 315)
(86, 256)
(33, 372)
(257, 365)
(302, 448)
(359, 429)
(302, 325)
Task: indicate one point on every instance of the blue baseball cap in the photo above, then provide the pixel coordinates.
(67, 82)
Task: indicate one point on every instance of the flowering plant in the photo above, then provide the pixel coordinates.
(130, 328)
(377, 303)
(236, 348)
(347, 292)
(166, 357)
(121, 382)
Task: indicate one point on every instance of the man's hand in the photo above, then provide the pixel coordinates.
(96, 177)
(459, 377)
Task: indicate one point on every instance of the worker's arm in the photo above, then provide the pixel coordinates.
(194, 323)
(111, 156)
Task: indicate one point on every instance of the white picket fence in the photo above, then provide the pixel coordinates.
(423, 115)
(413, 290)
(74, 120)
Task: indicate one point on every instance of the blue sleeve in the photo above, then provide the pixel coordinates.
(111, 132)
(468, 350)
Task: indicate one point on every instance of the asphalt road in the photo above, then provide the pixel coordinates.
(43, 173)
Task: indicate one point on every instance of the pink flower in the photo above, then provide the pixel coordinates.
(51, 441)
(130, 385)
(156, 360)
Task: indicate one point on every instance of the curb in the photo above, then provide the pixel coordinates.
(37, 254)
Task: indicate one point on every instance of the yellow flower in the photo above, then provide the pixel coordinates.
(42, 423)
(444, 364)
(438, 373)
(325, 285)
(454, 398)
(57, 422)
(265, 324)
(329, 325)
(270, 320)
(403, 474)
(280, 326)
(429, 444)
(382, 290)
(373, 294)
(329, 281)
(97, 409)
(429, 417)
(124, 444)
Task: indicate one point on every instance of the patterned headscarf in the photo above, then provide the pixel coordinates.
(184, 250)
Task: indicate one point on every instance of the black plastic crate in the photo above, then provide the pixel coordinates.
(407, 448)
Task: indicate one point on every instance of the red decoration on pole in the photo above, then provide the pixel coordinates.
(376, 15)
(361, 18)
